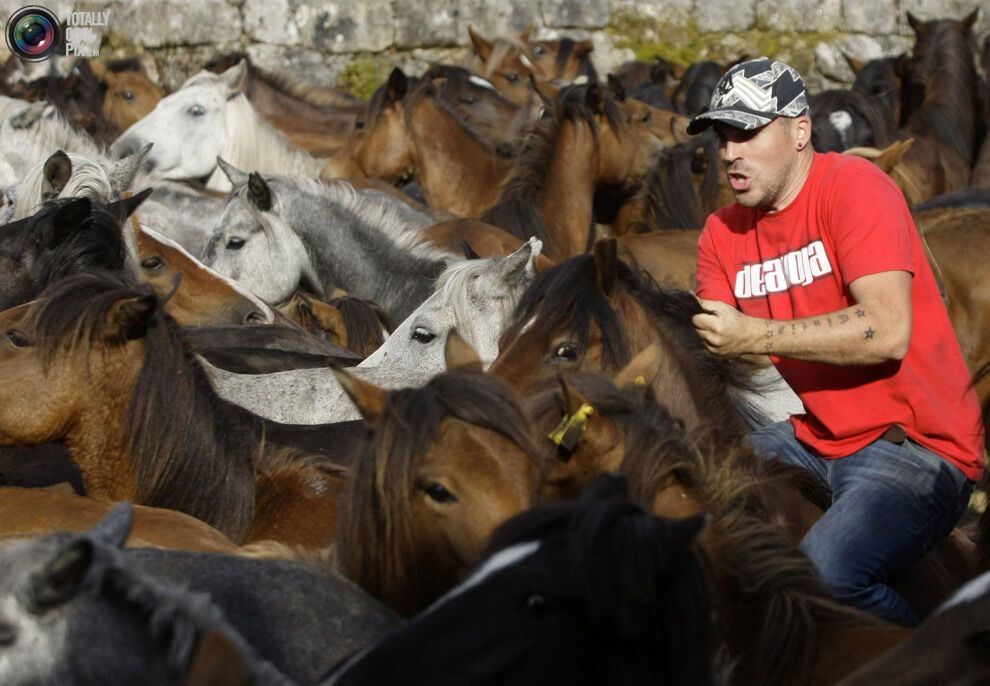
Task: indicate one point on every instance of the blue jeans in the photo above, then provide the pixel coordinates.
(890, 504)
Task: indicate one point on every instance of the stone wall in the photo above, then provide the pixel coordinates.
(355, 43)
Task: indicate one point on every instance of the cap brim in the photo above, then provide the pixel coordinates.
(734, 117)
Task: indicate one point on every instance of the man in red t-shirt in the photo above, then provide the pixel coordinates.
(818, 264)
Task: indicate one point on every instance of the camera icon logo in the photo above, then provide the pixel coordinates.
(33, 33)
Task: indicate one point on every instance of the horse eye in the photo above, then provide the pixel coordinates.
(359, 124)
(512, 78)
(421, 335)
(565, 352)
(539, 51)
(646, 117)
(127, 95)
(469, 100)
(438, 494)
(197, 110)
(235, 243)
(535, 602)
(17, 339)
(152, 263)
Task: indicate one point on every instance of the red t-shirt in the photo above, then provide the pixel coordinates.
(849, 220)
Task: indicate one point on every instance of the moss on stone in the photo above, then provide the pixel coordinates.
(362, 76)
(685, 43)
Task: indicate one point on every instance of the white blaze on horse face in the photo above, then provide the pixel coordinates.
(188, 130)
(972, 591)
(493, 565)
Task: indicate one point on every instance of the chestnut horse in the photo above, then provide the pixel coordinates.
(129, 94)
(444, 465)
(96, 364)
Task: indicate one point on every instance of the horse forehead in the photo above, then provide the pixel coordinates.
(480, 451)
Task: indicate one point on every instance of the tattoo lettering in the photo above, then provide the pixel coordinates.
(843, 318)
(817, 323)
(794, 328)
(782, 329)
(769, 333)
(829, 320)
(804, 326)
(870, 333)
(769, 346)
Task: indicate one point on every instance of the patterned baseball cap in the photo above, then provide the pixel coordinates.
(754, 93)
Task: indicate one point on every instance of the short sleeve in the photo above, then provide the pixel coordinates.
(869, 222)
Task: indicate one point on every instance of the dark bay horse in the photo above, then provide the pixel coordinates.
(98, 365)
(444, 465)
(594, 592)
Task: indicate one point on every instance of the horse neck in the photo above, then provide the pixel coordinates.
(355, 256)
(253, 143)
(458, 173)
(566, 200)
(949, 104)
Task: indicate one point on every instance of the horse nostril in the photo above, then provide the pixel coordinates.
(255, 317)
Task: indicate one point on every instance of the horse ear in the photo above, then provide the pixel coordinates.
(69, 218)
(469, 253)
(125, 207)
(642, 369)
(914, 22)
(970, 19)
(595, 98)
(329, 318)
(128, 316)
(261, 194)
(583, 47)
(617, 88)
(234, 78)
(100, 70)
(606, 264)
(515, 265)
(123, 172)
(525, 33)
(459, 354)
(61, 578)
(482, 46)
(398, 84)
(369, 399)
(116, 526)
(55, 174)
(855, 64)
(892, 154)
(217, 661)
(233, 174)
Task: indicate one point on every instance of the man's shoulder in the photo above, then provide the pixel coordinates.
(850, 171)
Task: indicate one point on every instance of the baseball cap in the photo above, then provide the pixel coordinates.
(752, 94)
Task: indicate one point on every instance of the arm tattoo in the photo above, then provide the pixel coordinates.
(870, 333)
(860, 313)
(843, 318)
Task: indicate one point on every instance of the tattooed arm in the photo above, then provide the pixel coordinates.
(876, 329)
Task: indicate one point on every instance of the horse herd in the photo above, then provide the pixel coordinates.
(407, 391)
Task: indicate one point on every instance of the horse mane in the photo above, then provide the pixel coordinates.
(648, 603)
(568, 296)
(672, 200)
(878, 117)
(517, 210)
(28, 140)
(944, 61)
(205, 469)
(454, 287)
(364, 321)
(89, 179)
(586, 68)
(375, 542)
(504, 47)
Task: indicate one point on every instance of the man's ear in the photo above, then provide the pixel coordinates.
(802, 131)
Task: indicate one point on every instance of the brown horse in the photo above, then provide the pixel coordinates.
(507, 63)
(945, 125)
(359, 325)
(130, 95)
(30, 512)
(194, 294)
(591, 147)
(776, 621)
(444, 466)
(406, 132)
(597, 312)
(98, 366)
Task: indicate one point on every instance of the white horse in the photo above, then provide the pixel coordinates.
(70, 175)
(209, 117)
(31, 132)
(475, 297)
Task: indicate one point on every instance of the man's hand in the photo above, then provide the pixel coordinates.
(726, 331)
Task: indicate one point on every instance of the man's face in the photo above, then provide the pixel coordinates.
(758, 163)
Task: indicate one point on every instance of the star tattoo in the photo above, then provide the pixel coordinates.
(860, 313)
(870, 333)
